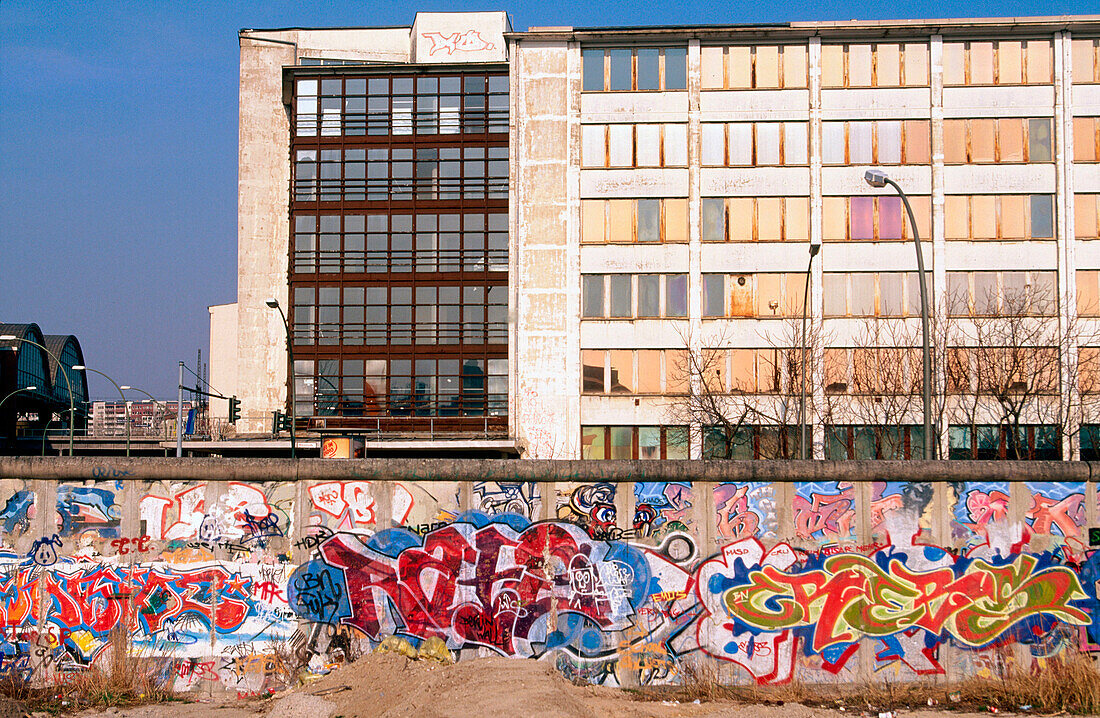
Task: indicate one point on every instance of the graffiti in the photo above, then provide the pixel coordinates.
(504, 497)
(830, 603)
(661, 507)
(824, 510)
(87, 508)
(745, 510)
(109, 472)
(349, 502)
(901, 508)
(1056, 509)
(261, 529)
(18, 513)
(127, 545)
(188, 505)
(483, 583)
(592, 507)
(469, 41)
(228, 519)
(44, 550)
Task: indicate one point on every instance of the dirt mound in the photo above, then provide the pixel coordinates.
(385, 684)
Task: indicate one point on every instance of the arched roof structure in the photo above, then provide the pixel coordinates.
(32, 364)
(67, 349)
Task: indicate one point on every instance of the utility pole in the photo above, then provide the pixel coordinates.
(179, 416)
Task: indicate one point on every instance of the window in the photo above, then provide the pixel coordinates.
(632, 69)
(754, 144)
(634, 220)
(751, 442)
(1086, 68)
(998, 62)
(652, 145)
(634, 442)
(759, 295)
(1010, 293)
(867, 294)
(1032, 443)
(755, 219)
(1086, 139)
(879, 142)
(1086, 211)
(1088, 292)
(744, 371)
(981, 141)
(638, 371)
(760, 67)
(879, 65)
(382, 174)
(429, 105)
(874, 218)
(873, 442)
(873, 371)
(999, 216)
(629, 296)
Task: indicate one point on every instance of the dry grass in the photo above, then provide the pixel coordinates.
(120, 678)
(1065, 684)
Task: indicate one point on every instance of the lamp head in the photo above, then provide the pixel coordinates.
(126, 387)
(8, 337)
(30, 388)
(79, 367)
(875, 178)
(273, 303)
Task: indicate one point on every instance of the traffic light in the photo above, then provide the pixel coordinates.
(281, 423)
(234, 409)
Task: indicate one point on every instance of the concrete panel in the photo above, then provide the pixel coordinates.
(751, 105)
(545, 310)
(371, 44)
(1021, 101)
(1086, 178)
(543, 224)
(738, 257)
(914, 179)
(543, 268)
(1000, 178)
(636, 334)
(445, 37)
(1088, 254)
(622, 410)
(634, 258)
(754, 181)
(972, 256)
(543, 94)
(634, 107)
(647, 182)
(873, 256)
(1086, 100)
(876, 103)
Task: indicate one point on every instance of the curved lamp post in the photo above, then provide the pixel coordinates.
(127, 387)
(26, 388)
(46, 430)
(878, 178)
(125, 406)
(274, 304)
(815, 247)
(68, 382)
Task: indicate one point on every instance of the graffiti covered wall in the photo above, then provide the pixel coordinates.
(246, 587)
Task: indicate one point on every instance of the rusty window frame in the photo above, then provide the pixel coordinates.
(1030, 67)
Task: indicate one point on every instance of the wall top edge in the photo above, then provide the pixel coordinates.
(531, 470)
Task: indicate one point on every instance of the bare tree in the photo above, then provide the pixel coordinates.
(747, 399)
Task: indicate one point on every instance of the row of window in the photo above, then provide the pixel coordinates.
(628, 296)
(1004, 139)
(634, 442)
(755, 219)
(1002, 293)
(1008, 216)
(401, 174)
(378, 315)
(753, 295)
(754, 144)
(625, 69)
(635, 371)
(747, 371)
(465, 386)
(993, 62)
(623, 145)
(881, 142)
(1002, 371)
(379, 243)
(634, 220)
(378, 106)
(873, 371)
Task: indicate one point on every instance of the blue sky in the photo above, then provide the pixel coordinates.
(118, 123)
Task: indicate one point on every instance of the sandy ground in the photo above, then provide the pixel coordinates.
(389, 685)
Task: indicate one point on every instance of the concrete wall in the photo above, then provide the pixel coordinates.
(233, 585)
(223, 351)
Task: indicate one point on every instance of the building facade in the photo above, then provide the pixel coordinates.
(669, 183)
(597, 242)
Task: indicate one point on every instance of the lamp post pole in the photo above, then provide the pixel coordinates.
(878, 178)
(274, 304)
(815, 247)
(26, 388)
(68, 381)
(125, 406)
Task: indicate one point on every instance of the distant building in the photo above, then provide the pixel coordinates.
(147, 418)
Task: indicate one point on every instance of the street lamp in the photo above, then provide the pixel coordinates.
(274, 304)
(26, 388)
(127, 387)
(125, 406)
(878, 178)
(68, 382)
(815, 247)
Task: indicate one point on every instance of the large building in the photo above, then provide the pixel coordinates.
(663, 190)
